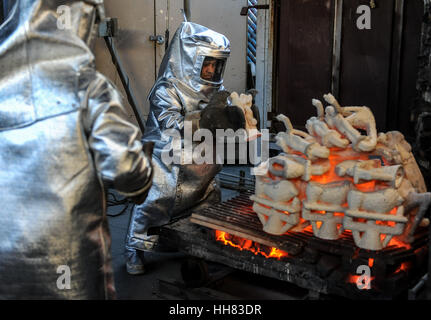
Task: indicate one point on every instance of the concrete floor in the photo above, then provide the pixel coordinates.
(160, 265)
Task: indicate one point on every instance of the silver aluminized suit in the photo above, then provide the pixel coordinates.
(178, 92)
(64, 138)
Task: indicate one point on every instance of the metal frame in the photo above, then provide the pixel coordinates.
(108, 29)
(336, 49)
(427, 9)
(264, 60)
(124, 80)
(395, 71)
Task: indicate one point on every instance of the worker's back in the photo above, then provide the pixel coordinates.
(64, 136)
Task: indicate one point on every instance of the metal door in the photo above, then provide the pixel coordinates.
(320, 49)
(304, 57)
(145, 28)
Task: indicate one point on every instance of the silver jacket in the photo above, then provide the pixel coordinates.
(64, 139)
(178, 91)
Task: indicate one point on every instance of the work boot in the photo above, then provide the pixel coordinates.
(135, 262)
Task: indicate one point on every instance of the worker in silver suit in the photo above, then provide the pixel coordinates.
(190, 75)
(64, 139)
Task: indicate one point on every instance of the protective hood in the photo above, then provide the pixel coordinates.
(43, 43)
(182, 63)
(180, 90)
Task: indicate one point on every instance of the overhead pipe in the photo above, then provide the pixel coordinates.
(187, 12)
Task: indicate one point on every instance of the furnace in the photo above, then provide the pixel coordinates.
(231, 234)
(341, 211)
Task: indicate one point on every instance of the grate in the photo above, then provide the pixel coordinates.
(237, 215)
(322, 266)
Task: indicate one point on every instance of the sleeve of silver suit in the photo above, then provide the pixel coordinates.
(115, 141)
(167, 108)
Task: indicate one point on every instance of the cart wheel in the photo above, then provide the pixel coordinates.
(194, 272)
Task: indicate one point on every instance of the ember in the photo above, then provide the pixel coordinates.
(403, 267)
(244, 244)
(336, 267)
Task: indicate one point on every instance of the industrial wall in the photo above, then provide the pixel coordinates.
(140, 19)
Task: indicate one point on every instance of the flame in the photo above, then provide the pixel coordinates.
(363, 279)
(366, 186)
(336, 158)
(248, 245)
(394, 211)
(308, 228)
(403, 267)
(397, 243)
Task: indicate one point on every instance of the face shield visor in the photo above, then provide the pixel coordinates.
(212, 69)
